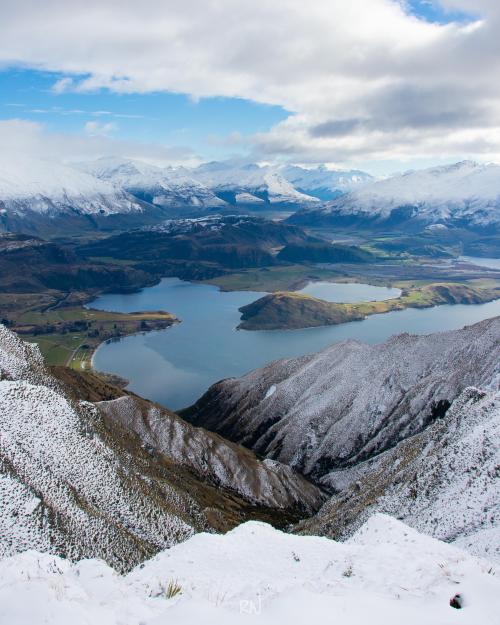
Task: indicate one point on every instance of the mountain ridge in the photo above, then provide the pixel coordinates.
(463, 194)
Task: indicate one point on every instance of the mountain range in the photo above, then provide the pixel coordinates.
(45, 197)
(118, 193)
(465, 194)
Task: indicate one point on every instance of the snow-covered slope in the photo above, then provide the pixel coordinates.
(387, 574)
(37, 186)
(264, 182)
(466, 194)
(351, 401)
(36, 194)
(241, 183)
(167, 187)
(118, 480)
(324, 183)
(444, 482)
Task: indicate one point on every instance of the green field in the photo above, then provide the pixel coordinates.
(280, 278)
(69, 336)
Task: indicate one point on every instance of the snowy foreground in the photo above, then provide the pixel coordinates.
(385, 574)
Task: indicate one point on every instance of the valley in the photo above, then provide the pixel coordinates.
(249, 312)
(207, 377)
(50, 290)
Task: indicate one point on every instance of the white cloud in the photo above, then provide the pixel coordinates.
(96, 129)
(362, 79)
(62, 85)
(31, 138)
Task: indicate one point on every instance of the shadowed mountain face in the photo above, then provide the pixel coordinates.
(232, 242)
(443, 481)
(342, 406)
(119, 479)
(31, 265)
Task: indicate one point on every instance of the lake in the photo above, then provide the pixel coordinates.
(174, 367)
(349, 292)
(490, 263)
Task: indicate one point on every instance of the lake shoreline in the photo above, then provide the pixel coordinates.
(175, 368)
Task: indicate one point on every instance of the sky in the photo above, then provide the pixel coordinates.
(380, 85)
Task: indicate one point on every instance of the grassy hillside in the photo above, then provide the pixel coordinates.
(287, 310)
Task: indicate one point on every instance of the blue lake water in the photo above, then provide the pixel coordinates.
(491, 263)
(176, 366)
(352, 292)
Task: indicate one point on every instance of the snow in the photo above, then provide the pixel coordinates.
(43, 186)
(443, 482)
(321, 179)
(251, 178)
(167, 186)
(247, 198)
(270, 391)
(387, 574)
(463, 190)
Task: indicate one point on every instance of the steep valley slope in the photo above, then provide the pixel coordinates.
(351, 401)
(119, 479)
(408, 427)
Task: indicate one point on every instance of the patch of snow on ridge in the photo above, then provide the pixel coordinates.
(387, 574)
(19, 359)
(48, 449)
(270, 391)
(247, 198)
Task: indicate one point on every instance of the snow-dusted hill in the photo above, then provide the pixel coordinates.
(167, 187)
(47, 188)
(374, 423)
(352, 400)
(118, 480)
(387, 574)
(463, 194)
(444, 482)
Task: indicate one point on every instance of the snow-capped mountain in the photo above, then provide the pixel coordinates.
(324, 183)
(463, 194)
(386, 574)
(42, 187)
(248, 183)
(167, 187)
(119, 479)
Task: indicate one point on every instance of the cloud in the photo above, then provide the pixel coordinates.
(96, 129)
(360, 79)
(62, 85)
(32, 138)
